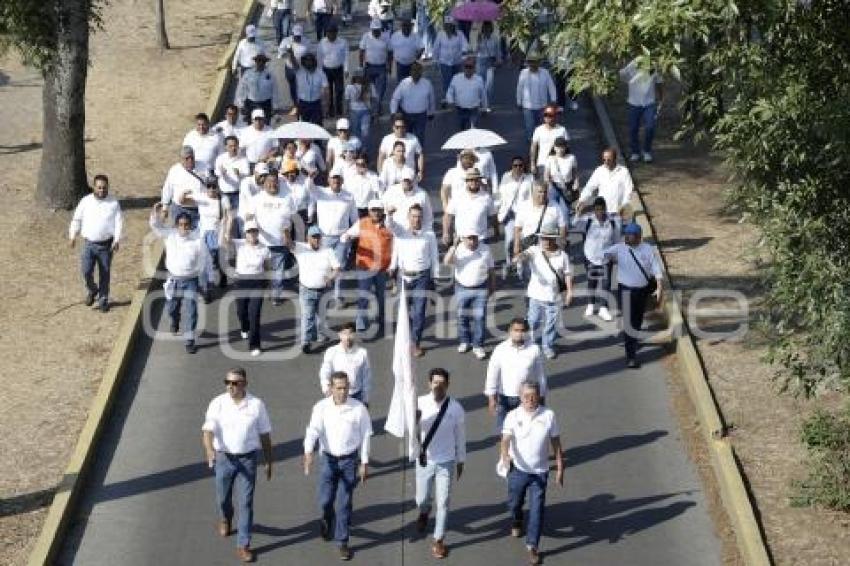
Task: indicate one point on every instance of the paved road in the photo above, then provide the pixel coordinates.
(631, 495)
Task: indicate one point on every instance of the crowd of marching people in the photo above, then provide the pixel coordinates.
(270, 216)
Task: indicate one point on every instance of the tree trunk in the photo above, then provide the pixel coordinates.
(161, 34)
(62, 175)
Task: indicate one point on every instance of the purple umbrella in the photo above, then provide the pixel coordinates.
(477, 12)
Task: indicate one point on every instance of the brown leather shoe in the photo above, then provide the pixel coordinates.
(224, 528)
(439, 550)
(344, 552)
(421, 522)
(533, 557)
(245, 554)
(516, 529)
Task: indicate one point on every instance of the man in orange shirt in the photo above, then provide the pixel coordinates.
(374, 251)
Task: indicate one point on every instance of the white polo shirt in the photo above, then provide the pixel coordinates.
(339, 429)
(545, 138)
(333, 54)
(274, 215)
(472, 267)
(250, 259)
(412, 147)
(414, 251)
(528, 218)
(211, 212)
(236, 427)
(335, 212)
(256, 143)
(179, 182)
(402, 201)
(531, 435)
(355, 364)
(207, 148)
(376, 49)
(314, 266)
(449, 441)
(510, 365)
(472, 212)
(230, 172)
(543, 285)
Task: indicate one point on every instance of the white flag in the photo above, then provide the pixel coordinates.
(401, 417)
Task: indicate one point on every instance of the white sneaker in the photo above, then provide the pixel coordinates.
(479, 353)
(488, 110)
(463, 348)
(647, 157)
(634, 158)
(255, 352)
(588, 311)
(244, 335)
(605, 315)
(549, 354)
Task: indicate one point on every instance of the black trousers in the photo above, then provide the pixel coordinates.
(249, 304)
(633, 306)
(265, 105)
(598, 283)
(336, 86)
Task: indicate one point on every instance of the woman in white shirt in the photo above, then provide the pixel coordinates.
(358, 101)
(560, 172)
(252, 263)
(394, 167)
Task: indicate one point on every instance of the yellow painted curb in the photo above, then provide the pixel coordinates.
(733, 492)
(70, 487)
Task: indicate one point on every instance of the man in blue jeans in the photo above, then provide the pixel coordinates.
(236, 426)
(645, 96)
(524, 454)
(342, 427)
(474, 281)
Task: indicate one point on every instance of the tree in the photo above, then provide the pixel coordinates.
(767, 82)
(53, 35)
(161, 33)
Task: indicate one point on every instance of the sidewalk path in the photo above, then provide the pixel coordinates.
(631, 494)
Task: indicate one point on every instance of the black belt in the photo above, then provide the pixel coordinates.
(231, 455)
(475, 288)
(343, 457)
(415, 274)
(106, 242)
(376, 64)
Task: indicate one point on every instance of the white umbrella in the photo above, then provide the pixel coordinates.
(470, 139)
(301, 131)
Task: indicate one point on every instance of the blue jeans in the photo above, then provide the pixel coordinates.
(360, 124)
(424, 27)
(447, 72)
(377, 75)
(535, 484)
(211, 246)
(184, 289)
(531, 119)
(336, 488)
(416, 124)
(647, 115)
(417, 302)
(280, 259)
(545, 313)
(101, 256)
(466, 118)
(308, 299)
(402, 71)
(505, 406)
(435, 481)
(471, 304)
(239, 471)
(282, 19)
(321, 19)
(366, 282)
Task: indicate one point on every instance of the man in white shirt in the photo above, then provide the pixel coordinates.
(599, 233)
(257, 88)
(235, 427)
(364, 185)
(335, 212)
(474, 281)
(332, 54)
(230, 168)
(248, 188)
(98, 219)
(182, 179)
(454, 180)
(448, 50)
(538, 214)
(413, 152)
(291, 49)
(273, 211)
(444, 453)
(342, 427)
(246, 50)
(638, 270)
(534, 90)
(514, 191)
(470, 210)
(231, 124)
(375, 59)
(549, 287)
(610, 181)
(185, 262)
(351, 359)
(544, 136)
(256, 139)
(322, 12)
(527, 433)
(645, 98)
(281, 18)
(414, 98)
(399, 198)
(467, 93)
(204, 142)
(416, 258)
(513, 361)
(311, 86)
(406, 47)
(317, 268)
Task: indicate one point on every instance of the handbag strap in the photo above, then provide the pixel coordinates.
(640, 266)
(561, 282)
(431, 431)
(542, 214)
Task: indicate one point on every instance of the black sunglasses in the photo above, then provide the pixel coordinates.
(230, 382)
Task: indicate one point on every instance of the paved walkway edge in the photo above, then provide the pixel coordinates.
(67, 492)
(733, 491)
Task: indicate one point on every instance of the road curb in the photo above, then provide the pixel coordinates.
(733, 491)
(70, 487)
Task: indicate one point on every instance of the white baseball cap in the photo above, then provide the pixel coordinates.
(297, 29)
(376, 203)
(342, 124)
(251, 225)
(261, 169)
(376, 24)
(250, 30)
(258, 113)
(407, 174)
